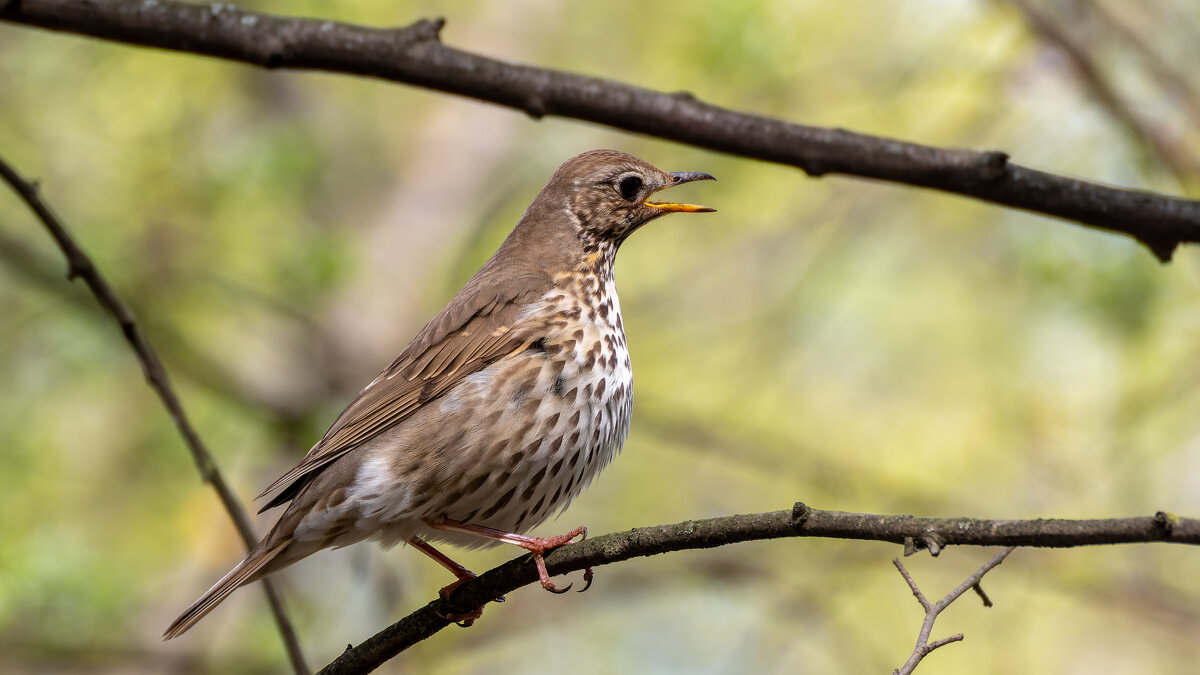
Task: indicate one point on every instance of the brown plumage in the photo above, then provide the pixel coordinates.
(501, 409)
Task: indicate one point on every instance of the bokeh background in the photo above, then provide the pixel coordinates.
(853, 345)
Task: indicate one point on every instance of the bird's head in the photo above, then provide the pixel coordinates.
(608, 194)
(591, 204)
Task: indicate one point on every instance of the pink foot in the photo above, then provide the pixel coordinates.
(537, 546)
(464, 618)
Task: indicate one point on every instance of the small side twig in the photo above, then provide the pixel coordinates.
(924, 647)
(80, 265)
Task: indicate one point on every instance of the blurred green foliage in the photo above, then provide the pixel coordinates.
(852, 345)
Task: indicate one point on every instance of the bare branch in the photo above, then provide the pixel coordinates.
(924, 647)
(1103, 90)
(415, 55)
(957, 637)
(800, 521)
(983, 596)
(912, 585)
(1164, 72)
(80, 265)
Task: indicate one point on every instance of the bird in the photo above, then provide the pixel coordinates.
(501, 409)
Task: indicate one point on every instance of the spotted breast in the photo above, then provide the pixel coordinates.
(530, 432)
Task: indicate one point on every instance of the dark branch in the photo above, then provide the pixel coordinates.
(80, 266)
(800, 521)
(414, 55)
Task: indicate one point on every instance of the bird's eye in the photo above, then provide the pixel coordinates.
(629, 186)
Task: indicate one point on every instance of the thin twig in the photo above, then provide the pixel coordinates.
(195, 365)
(1164, 72)
(415, 55)
(924, 647)
(1102, 88)
(800, 521)
(983, 596)
(80, 265)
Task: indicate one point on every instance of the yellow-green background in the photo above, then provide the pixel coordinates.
(853, 345)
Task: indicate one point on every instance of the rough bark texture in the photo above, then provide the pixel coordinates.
(800, 521)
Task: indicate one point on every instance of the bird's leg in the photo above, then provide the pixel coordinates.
(535, 545)
(464, 618)
(442, 559)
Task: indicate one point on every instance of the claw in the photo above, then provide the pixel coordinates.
(537, 547)
(587, 580)
(462, 619)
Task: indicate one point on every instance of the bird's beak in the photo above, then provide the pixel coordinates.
(679, 178)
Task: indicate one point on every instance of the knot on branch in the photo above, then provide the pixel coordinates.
(426, 30)
(535, 107)
(993, 165)
(276, 50)
(800, 514)
(933, 543)
(79, 269)
(812, 168)
(1165, 522)
(929, 541)
(1163, 250)
(396, 40)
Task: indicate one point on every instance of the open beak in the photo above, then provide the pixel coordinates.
(679, 178)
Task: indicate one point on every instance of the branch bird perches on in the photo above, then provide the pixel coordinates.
(801, 520)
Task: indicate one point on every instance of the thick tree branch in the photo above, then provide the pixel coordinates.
(800, 521)
(414, 55)
(80, 265)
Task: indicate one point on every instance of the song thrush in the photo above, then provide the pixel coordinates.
(501, 409)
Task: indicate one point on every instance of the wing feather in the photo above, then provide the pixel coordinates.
(472, 332)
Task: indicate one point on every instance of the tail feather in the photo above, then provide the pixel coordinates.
(245, 572)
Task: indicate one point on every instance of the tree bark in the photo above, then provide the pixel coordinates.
(800, 521)
(415, 55)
